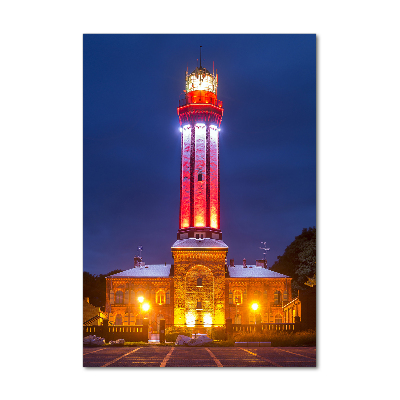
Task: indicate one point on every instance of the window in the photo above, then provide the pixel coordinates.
(285, 295)
(277, 297)
(230, 297)
(111, 296)
(119, 298)
(118, 319)
(237, 297)
(160, 297)
(238, 319)
(167, 301)
(199, 282)
(278, 319)
(199, 307)
(199, 177)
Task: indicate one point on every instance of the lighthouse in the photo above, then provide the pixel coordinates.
(200, 115)
(199, 253)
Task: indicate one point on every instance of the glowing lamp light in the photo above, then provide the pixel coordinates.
(141, 299)
(207, 320)
(254, 306)
(190, 319)
(146, 307)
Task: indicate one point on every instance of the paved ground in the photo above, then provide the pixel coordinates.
(154, 356)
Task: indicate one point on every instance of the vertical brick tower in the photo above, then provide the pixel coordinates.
(199, 253)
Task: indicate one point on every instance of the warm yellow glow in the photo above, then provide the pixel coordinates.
(205, 82)
(140, 299)
(207, 320)
(254, 306)
(146, 307)
(190, 319)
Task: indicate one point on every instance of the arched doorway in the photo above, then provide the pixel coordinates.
(199, 296)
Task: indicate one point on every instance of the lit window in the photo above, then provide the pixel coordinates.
(238, 297)
(160, 297)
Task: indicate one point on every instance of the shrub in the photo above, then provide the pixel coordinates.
(279, 338)
(172, 332)
(218, 333)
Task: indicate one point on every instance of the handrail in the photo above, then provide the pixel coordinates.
(201, 100)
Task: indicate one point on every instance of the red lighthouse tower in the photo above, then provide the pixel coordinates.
(200, 115)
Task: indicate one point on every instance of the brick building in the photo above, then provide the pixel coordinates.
(199, 287)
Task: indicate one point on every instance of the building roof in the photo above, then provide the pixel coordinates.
(145, 271)
(196, 243)
(253, 271)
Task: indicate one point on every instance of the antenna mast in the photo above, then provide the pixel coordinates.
(265, 248)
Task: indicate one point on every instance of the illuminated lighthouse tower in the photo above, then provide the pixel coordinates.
(200, 115)
(199, 253)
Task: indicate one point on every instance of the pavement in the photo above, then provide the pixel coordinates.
(164, 356)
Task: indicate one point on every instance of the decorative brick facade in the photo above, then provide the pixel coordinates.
(209, 266)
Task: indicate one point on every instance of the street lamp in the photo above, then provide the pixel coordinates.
(254, 306)
(140, 300)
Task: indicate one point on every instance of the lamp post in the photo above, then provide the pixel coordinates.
(254, 306)
(140, 300)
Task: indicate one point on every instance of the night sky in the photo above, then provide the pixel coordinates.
(131, 143)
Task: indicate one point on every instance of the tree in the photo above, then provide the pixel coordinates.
(299, 259)
(94, 287)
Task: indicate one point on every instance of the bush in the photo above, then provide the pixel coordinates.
(172, 332)
(218, 333)
(279, 338)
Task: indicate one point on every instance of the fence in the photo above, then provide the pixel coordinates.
(200, 100)
(288, 327)
(130, 333)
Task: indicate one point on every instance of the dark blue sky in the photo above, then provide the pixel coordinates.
(131, 142)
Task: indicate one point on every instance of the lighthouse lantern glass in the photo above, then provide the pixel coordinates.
(199, 81)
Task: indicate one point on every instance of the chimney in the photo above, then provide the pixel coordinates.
(261, 263)
(231, 263)
(244, 263)
(137, 261)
